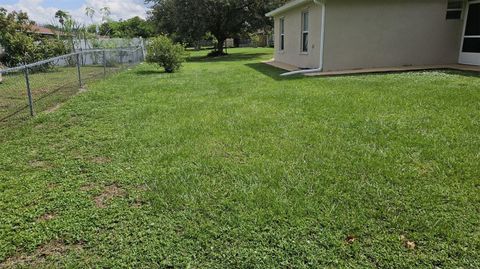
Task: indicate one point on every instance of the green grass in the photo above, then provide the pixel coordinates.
(225, 164)
(48, 88)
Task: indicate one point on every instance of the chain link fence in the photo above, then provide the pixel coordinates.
(29, 89)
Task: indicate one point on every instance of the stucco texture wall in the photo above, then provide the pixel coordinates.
(293, 28)
(385, 33)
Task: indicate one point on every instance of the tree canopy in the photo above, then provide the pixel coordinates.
(134, 27)
(21, 44)
(192, 19)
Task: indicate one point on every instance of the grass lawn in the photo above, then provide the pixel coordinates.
(225, 164)
(48, 88)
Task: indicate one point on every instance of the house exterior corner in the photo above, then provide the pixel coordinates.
(360, 34)
(294, 29)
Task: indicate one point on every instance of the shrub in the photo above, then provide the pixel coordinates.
(255, 40)
(162, 51)
(20, 45)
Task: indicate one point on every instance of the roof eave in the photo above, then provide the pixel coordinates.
(286, 7)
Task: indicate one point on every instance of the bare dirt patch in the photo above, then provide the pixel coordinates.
(350, 239)
(108, 193)
(101, 160)
(51, 186)
(40, 164)
(52, 248)
(407, 243)
(46, 217)
(54, 108)
(87, 187)
(138, 203)
(138, 200)
(142, 187)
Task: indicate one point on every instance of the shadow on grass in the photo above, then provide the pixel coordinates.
(150, 72)
(228, 58)
(472, 74)
(273, 72)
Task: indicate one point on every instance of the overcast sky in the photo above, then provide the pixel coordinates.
(43, 11)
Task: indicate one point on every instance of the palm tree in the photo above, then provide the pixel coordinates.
(61, 16)
(90, 12)
(105, 13)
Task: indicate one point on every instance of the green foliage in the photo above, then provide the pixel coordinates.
(162, 51)
(92, 29)
(255, 38)
(192, 19)
(21, 46)
(134, 27)
(62, 16)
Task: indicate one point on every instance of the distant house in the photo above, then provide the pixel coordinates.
(40, 30)
(331, 35)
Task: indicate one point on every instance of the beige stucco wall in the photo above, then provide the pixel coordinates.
(293, 26)
(383, 33)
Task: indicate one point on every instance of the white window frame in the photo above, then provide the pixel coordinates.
(462, 9)
(305, 31)
(281, 46)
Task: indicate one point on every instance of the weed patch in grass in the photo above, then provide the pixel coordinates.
(38, 258)
(46, 217)
(108, 193)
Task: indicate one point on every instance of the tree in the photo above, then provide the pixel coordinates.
(192, 19)
(133, 27)
(182, 21)
(20, 44)
(61, 16)
(259, 20)
(92, 29)
(105, 11)
(90, 12)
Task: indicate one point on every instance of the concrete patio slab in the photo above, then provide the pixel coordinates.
(459, 67)
(283, 66)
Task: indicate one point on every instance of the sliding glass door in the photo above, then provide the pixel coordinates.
(470, 50)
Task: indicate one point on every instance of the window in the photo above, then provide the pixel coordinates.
(305, 31)
(471, 39)
(282, 34)
(454, 9)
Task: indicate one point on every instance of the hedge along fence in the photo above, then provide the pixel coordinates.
(28, 89)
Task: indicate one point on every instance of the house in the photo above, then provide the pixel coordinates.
(43, 31)
(335, 35)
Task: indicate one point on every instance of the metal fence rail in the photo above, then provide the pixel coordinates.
(29, 89)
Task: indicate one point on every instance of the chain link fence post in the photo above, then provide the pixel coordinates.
(142, 46)
(29, 91)
(53, 80)
(78, 70)
(121, 57)
(104, 64)
(81, 54)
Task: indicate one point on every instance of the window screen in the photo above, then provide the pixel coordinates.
(454, 9)
(471, 45)
(473, 21)
(305, 31)
(282, 34)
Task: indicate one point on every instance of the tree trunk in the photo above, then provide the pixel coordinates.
(220, 45)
